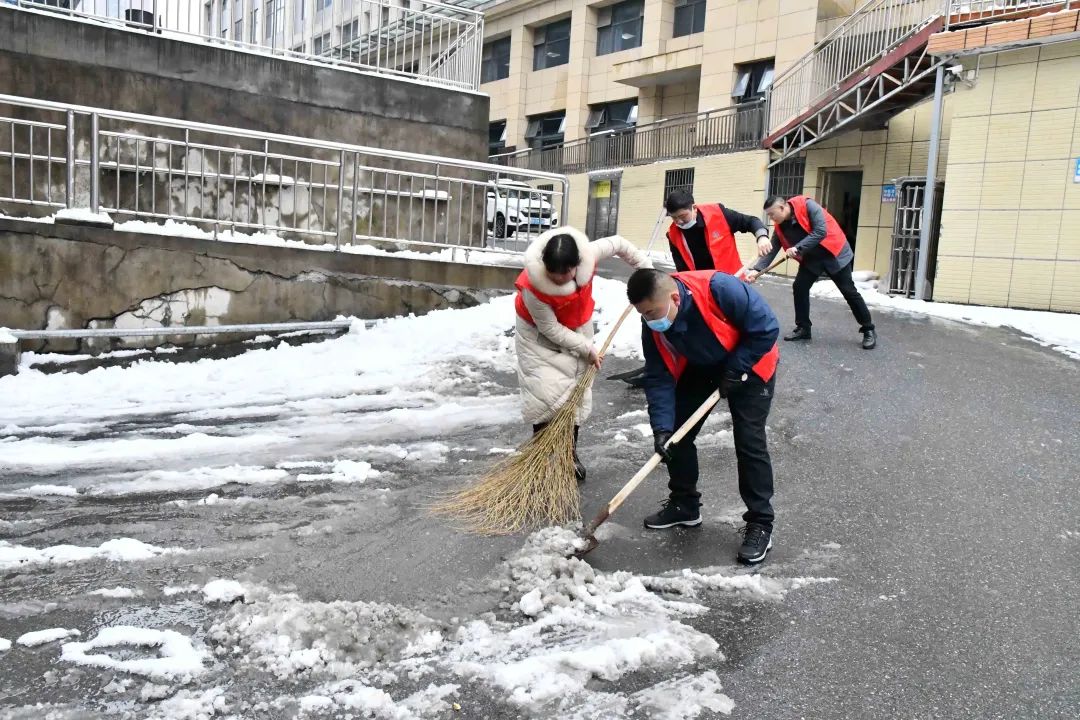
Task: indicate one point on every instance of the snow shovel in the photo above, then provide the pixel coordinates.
(589, 532)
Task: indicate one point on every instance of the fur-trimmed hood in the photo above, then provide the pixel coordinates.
(534, 262)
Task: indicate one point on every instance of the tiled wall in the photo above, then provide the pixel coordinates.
(1009, 224)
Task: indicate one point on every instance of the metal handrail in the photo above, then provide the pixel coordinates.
(962, 12)
(143, 167)
(250, 329)
(370, 35)
(871, 32)
(712, 132)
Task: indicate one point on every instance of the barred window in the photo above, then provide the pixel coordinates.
(786, 177)
(682, 179)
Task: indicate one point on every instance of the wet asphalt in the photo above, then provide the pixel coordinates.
(936, 478)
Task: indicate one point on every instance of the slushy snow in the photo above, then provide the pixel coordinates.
(177, 657)
(41, 637)
(117, 550)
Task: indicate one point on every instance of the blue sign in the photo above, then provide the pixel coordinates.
(1076, 172)
(888, 192)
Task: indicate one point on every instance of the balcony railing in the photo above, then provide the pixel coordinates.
(715, 132)
(233, 183)
(435, 42)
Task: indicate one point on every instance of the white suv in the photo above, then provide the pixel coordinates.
(514, 206)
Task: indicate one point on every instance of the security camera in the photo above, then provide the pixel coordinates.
(956, 70)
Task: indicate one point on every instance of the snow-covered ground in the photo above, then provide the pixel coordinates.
(161, 526)
(207, 468)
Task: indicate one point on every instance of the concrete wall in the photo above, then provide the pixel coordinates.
(64, 276)
(55, 59)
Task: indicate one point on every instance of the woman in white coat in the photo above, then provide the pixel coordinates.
(554, 337)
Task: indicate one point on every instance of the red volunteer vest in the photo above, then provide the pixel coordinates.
(573, 310)
(718, 237)
(834, 237)
(697, 282)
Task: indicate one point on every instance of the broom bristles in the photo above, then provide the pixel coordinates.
(533, 488)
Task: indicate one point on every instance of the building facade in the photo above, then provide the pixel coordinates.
(620, 96)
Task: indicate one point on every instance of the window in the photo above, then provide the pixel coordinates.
(786, 177)
(253, 26)
(321, 45)
(223, 27)
(208, 18)
(412, 68)
(551, 45)
(612, 116)
(546, 130)
(275, 16)
(682, 179)
(238, 31)
(752, 80)
(496, 61)
(349, 32)
(619, 27)
(496, 137)
(299, 10)
(689, 17)
(321, 5)
(384, 17)
(301, 48)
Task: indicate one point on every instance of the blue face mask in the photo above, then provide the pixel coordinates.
(660, 324)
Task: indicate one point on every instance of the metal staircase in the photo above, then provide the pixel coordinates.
(873, 66)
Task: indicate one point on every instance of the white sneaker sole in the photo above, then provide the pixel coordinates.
(686, 523)
(759, 558)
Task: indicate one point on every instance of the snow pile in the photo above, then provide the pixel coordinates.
(192, 705)
(83, 215)
(177, 657)
(117, 593)
(44, 491)
(684, 697)
(4, 644)
(41, 637)
(117, 550)
(569, 635)
(344, 471)
(202, 478)
(6, 336)
(223, 591)
(1060, 331)
(373, 702)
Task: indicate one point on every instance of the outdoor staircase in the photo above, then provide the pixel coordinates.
(873, 66)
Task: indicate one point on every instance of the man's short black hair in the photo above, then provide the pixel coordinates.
(643, 284)
(678, 200)
(774, 200)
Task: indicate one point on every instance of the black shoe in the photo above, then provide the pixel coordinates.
(869, 340)
(757, 541)
(799, 333)
(579, 469)
(672, 514)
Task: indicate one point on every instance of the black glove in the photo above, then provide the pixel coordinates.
(731, 380)
(660, 439)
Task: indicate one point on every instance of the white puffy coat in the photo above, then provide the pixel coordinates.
(550, 356)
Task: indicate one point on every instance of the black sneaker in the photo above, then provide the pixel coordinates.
(869, 340)
(672, 514)
(757, 541)
(579, 469)
(799, 333)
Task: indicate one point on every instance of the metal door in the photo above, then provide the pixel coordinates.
(907, 225)
(602, 216)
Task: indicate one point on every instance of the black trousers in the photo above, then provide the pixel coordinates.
(804, 280)
(749, 406)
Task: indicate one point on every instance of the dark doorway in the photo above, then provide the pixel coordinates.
(843, 193)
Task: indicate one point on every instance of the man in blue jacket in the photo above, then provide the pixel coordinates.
(704, 331)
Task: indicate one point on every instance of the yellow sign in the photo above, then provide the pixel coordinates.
(602, 189)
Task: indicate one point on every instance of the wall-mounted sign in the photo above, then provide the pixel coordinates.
(602, 189)
(1076, 171)
(888, 193)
